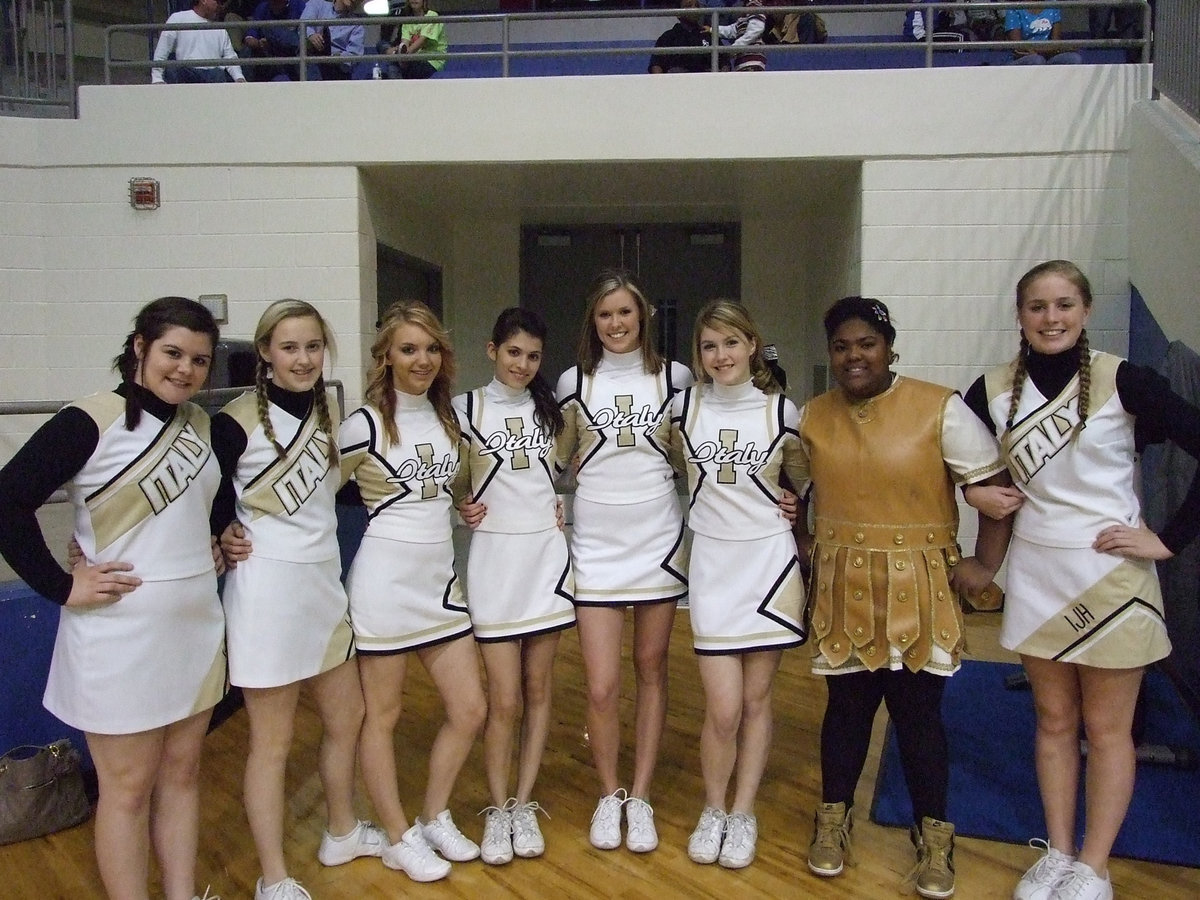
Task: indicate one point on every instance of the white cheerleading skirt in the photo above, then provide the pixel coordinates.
(519, 584)
(1079, 606)
(745, 595)
(155, 657)
(404, 596)
(630, 553)
(286, 621)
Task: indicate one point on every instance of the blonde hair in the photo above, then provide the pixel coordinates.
(277, 312)
(732, 317)
(591, 350)
(380, 392)
(1075, 276)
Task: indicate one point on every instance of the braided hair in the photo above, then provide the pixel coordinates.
(277, 312)
(381, 394)
(732, 317)
(1072, 273)
(151, 323)
(546, 413)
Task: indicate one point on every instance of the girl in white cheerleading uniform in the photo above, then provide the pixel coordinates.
(519, 580)
(403, 450)
(736, 434)
(627, 542)
(287, 613)
(1084, 608)
(139, 659)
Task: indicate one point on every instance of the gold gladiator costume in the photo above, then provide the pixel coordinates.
(886, 528)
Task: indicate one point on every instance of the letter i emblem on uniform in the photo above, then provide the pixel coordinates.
(624, 404)
(516, 429)
(429, 488)
(726, 474)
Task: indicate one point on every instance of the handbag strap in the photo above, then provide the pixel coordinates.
(59, 748)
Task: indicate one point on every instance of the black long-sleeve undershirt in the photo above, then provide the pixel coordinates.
(1160, 415)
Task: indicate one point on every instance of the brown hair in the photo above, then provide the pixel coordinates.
(1073, 274)
(382, 395)
(277, 312)
(731, 316)
(591, 350)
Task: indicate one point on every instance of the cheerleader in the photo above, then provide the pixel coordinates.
(139, 660)
(1084, 608)
(627, 541)
(519, 580)
(286, 611)
(402, 449)
(736, 434)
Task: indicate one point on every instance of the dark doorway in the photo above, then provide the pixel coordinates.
(679, 266)
(399, 276)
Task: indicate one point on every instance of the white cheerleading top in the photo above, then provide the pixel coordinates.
(510, 459)
(285, 505)
(406, 488)
(144, 495)
(619, 421)
(1074, 488)
(735, 442)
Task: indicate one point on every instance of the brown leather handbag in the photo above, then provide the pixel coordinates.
(41, 790)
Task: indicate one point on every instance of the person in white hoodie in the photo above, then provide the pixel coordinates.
(195, 43)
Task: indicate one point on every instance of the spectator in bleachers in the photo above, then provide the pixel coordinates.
(1042, 23)
(342, 44)
(689, 31)
(919, 22)
(747, 34)
(802, 27)
(420, 37)
(274, 40)
(195, 44)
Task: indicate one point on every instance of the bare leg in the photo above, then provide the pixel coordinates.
(126, 767)
(1109, 699)
(537, 666)
(502, 660)
(175, 805)
(339, 698)
(383, 691)
(272, 713)
(758, 675)
(651, 638)
(1056, 698)
(722, 680)
(600, 642)
(454, 668)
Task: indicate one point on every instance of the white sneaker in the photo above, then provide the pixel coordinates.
(413, 856)
(288, 889)
(605, 833)
(527, 840)
(366, 839)
(496, 848)
(641, 836)
(704, 846)
(1039, 880)
(741, 838)
(1080, 882)
(443, 835)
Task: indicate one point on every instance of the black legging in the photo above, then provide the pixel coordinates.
(914, 702)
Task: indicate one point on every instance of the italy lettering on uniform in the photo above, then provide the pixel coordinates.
(311, 466)
(729, 457)
(514, 440)
(625, 420)
(426, 471)
(1042, 442)
(172, 474)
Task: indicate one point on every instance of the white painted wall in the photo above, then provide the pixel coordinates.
(843, 181)
(1164, 216)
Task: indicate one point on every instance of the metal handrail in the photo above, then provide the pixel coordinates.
(505, 52)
